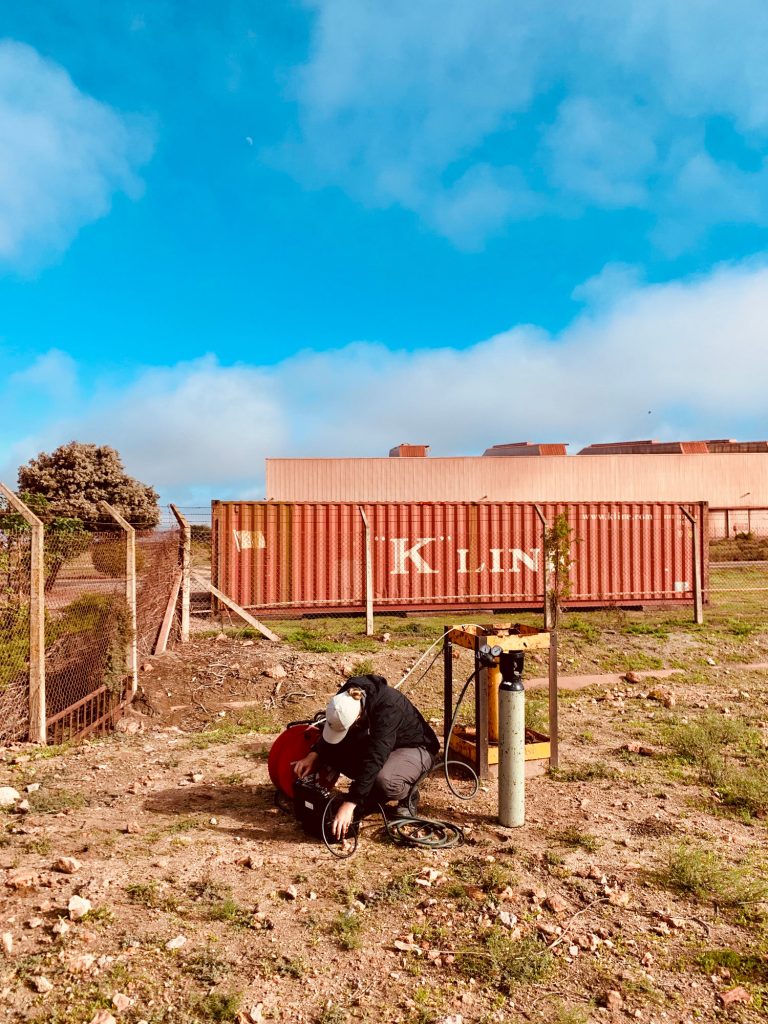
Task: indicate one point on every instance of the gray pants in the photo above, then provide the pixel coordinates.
(402, 768)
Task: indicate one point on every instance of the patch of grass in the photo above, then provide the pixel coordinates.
(363, 667)
(398, 888)
(332, 1014)
(654, 629)
(219, 1006)
(568, 1013)
(699, 872)
(52, 801)
(583, 628)
(149, 894)
(491, 878)
(537, 714)
(40, 845)
(502, 962)
(572, 836)
(750, 968)
(103, 914)
(346, 928)
(226, 730)
(231, 912)
(584, 772)
(206, 968)
(716, 747)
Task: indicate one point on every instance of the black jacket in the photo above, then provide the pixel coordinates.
(389, 721)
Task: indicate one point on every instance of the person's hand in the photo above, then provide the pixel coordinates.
(306, 765)
(343, 819)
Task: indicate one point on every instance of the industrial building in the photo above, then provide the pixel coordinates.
(731, 476)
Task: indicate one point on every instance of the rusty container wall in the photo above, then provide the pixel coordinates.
(309, 557)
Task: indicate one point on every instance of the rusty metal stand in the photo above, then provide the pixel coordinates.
(477, 750)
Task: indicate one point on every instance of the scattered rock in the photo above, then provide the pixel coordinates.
(78, 907)
(129, 726)
(220, 638)
(176, 943)
(711, 661)
(22, 807)
(613, 999)
(275, 672)
(82, 964)
(23, 878)
(132, 828)
(8, 797)
(32, 787)
(102, 1017)
(67, 865)
(34, 922)
(663, 696)
(41, 984)
(6, 941)
(507, 919)
(290, 893)
(734, 995)
(556, 904)
(196, 776)
(638, 748)
(147, 666)
(122, 1002)
(61, 927)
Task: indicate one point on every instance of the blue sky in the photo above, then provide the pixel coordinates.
(325, 227)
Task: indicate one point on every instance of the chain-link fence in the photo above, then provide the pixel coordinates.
(738, 553)
(76, 617)
(15, 588)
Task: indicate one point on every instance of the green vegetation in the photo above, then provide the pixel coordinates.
(226, 730)
(572, 836)
(744, 968)
(584, 772)
(364, 667)
(490, 877)
(229, 911)
(728, 756)
(698, 871)
(51, 801)
(502, 962)
(219, 1006)
(207, 968)
(346, 928)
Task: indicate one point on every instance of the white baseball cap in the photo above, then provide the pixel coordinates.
(342, 712)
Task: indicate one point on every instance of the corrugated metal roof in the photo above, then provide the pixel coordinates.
(724, 480)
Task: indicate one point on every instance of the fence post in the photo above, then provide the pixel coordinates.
(545, 559)
(37, 712)
(698, 603)
(368, 575)
(186, 571)
(132, 651)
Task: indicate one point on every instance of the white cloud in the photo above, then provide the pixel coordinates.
(64, 156)
(694, 354)
(444, 108)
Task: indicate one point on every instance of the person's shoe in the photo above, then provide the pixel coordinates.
(409, 808)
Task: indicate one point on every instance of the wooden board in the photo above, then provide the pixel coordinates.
(235, 607)
(526, 639)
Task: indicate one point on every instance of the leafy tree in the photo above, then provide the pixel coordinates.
(76, 477)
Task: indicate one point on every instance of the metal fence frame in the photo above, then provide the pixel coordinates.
(99, 710)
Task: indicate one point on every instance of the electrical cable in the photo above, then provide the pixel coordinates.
(463, 764)
(419, 660)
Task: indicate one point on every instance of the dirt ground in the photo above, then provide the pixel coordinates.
(636, 889)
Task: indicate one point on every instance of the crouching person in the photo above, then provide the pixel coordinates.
(379, 740)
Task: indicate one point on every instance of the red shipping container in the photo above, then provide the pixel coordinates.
(436, 556)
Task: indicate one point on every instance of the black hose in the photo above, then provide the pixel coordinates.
(446, 761)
